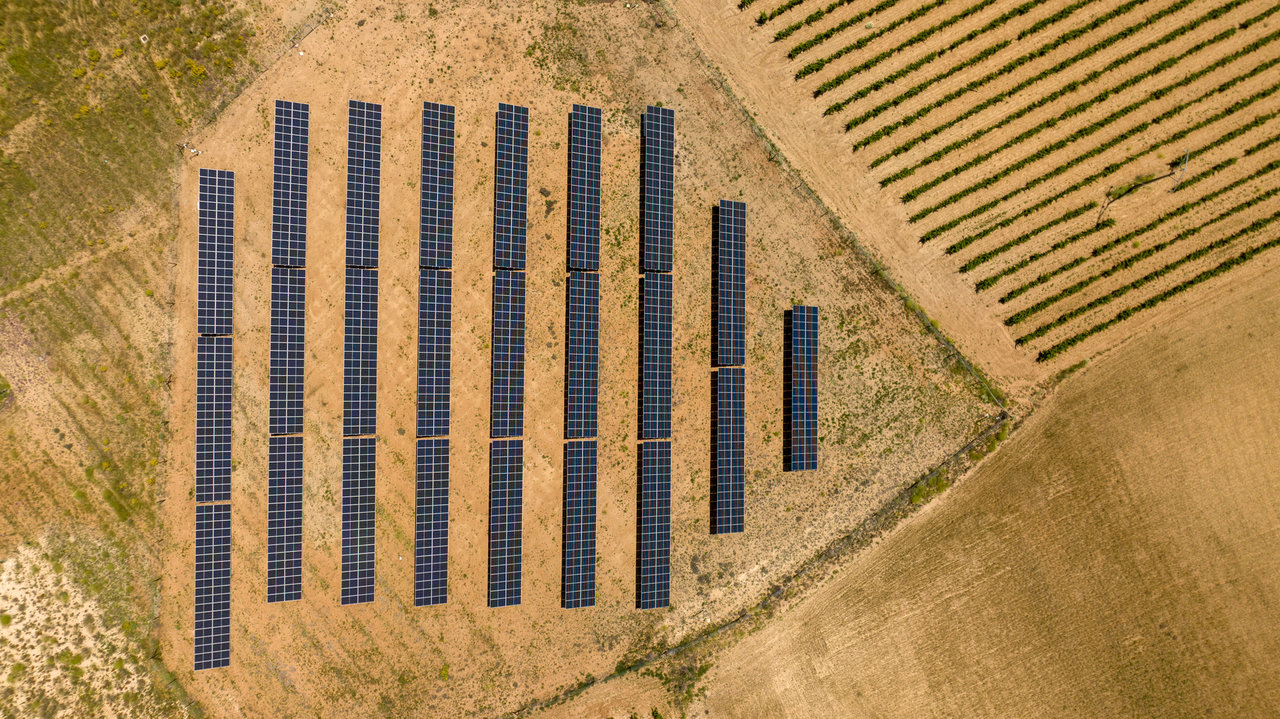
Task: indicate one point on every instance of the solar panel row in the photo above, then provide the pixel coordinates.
(364, 172)
(360, 353)
(435, 293)
(436, 219)
(653, 530)
(289, 185)
(506, 489)
(582, 355)
(657, 223)
(510, 187)
(727, 495)
(584, 188)
(288, 329)
(284, 518)
(578, 587)
(213, 419)
(728, 325)
(358, 475)
(730, 281)
(431, 535)
(213, 586)
(655, 338)
(801, 372)
(507, 414)
(216, 229)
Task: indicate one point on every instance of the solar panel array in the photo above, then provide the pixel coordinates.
(653, 530)
(215, 247)
(728, 324)
(284, 518)
(288, 329)
(213, 586)
(358, 485)
(510, 187)
(657, 234)
(506, 488)
(435, 328)
(582, 361)
(801, 371)
(507, 418)
(360, 351)
(289, 185)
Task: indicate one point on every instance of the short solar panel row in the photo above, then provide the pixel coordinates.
(213, 419)
(436, 220)
(657, 217)
(289, 185)
(510, 187)
(359, 472)
(507, 414)
(364, 172)
(431, 532)
(435, 302)
(213, 586)
(582, 355)
(216, 234)
(730, 277)
(506, 502)
(288, 330)
(578, 586)
(727, 496)
(653, 530)
(584, 188)
(655, 338)
(360, 353)
(802, 390)
(284, 519)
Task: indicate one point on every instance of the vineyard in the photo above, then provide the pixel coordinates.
(1076, 163)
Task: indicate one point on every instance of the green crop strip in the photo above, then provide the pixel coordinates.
(829, 32)
(1257, 121)
(1125, 314)
(864, 41)
(1134, 234)
(810, 19)
(989, 255)
(989, 282)
(912, 41)
(1066, 89)
(765, 17)
(1134, 259)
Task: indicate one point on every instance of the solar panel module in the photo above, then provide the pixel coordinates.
(507, 412)
(431, 533)
(288, 333)
(284, 519)
(213, 419)
(582, 355)
(578, 585)
(653, 529)
(215, 244)
(584, 188)
(359, 474)
(213, 586)
(289, 185)
(800, 420)
(729, 278)
(506, 490)
(360, 353)
(655, 394)
(435, 300)
(728, 452)
(364, 173)
(657, 223)
(435, 244)
(510, 187)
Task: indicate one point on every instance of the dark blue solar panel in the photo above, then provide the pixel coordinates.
(801, 372)
(288, 330)
(584, 188)
(431, 535)
(213, 586)
(507, 411)
(730, 278)
(578, 588)
(358, 512)
(284, 519)
(657, 223)
(506, 489)
(653, 528)
(215, 235)
(582, 355)
(510, 187)
(655, 389)
(289, 185)
(434, 331)
(360, 353)
(213, 419)
(436, 230)
(364, 172)
(727, 500)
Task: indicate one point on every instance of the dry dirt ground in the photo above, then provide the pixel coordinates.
(895, 401)
(1117, 557)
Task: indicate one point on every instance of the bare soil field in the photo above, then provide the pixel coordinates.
(985, 138)
(1117, 557)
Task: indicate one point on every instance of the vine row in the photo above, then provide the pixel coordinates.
(989, 282)
(809, 19)
(825, 35)
(765, 17)
(862, 42)
(991, 254)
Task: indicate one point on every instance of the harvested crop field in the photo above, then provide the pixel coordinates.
(1046, 177)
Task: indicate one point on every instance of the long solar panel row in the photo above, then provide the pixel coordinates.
(288, 346)
(729, 277)
(506, 465)
(657, 223)
(215, 246)
(582, 360)
(435, 329)
(801, 374)
(360, 351)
